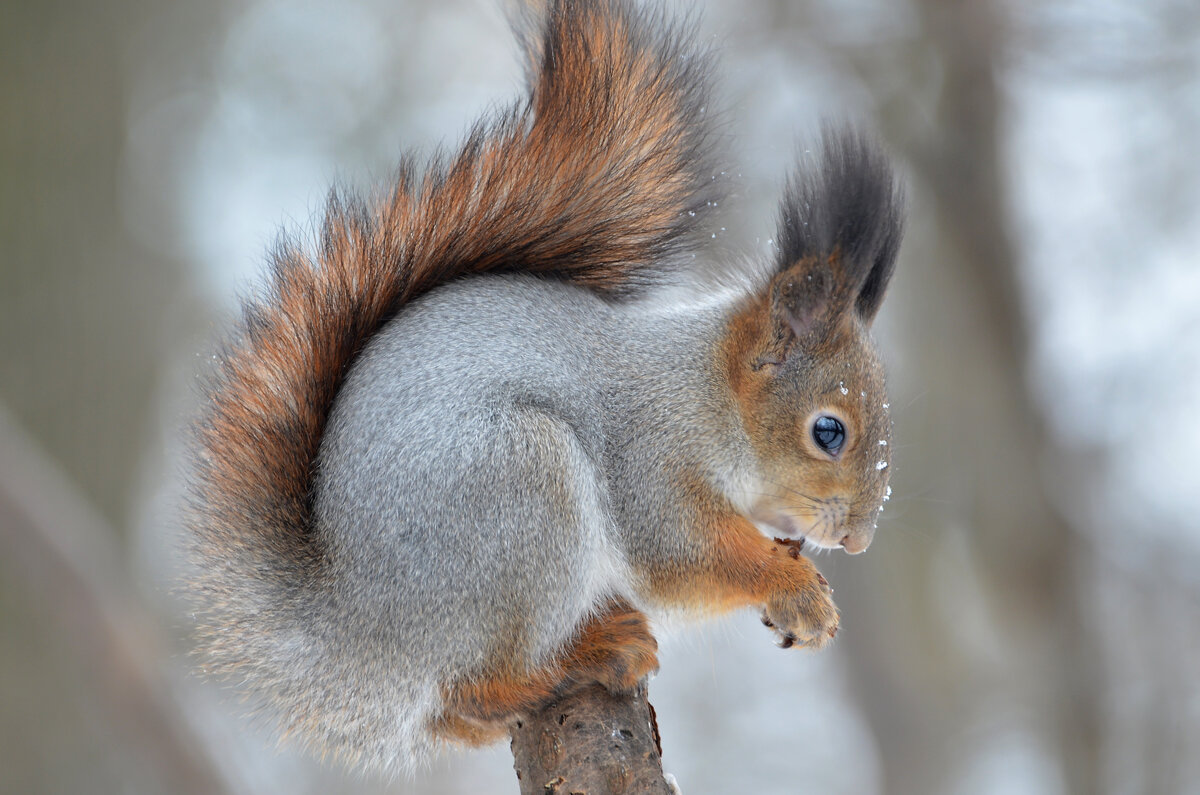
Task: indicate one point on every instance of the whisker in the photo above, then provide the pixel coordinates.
(912, 401)
(792, 491)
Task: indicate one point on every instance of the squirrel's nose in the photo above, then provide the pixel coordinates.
(858, 540)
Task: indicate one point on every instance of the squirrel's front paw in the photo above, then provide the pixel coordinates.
(805, 615)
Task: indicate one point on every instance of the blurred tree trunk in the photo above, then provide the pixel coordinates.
(83, 340)
(59, 554)
(939, 680)
(82, 306)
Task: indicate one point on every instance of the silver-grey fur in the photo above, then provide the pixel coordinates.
(499, 441)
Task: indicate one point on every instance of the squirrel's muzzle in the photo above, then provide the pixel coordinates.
(858, 539)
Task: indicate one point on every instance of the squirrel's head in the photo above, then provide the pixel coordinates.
(805, 374)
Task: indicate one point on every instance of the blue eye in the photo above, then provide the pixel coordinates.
(829, 434)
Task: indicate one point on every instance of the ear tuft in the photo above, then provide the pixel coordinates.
(848, 209)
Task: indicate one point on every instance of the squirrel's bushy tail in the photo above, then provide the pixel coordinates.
(596, 177)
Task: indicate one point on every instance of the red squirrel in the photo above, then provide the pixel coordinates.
(454, 458)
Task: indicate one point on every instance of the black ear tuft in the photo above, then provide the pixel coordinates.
(849, 208)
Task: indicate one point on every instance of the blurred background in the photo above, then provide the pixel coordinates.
(1027, 619)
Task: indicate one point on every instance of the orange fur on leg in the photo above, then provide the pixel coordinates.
(740, 567)
(614, 648)
(750, 569)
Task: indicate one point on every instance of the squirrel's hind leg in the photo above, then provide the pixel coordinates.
(614, 648)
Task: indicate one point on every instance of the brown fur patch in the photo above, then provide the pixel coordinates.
(614, 648)
(735, 565)
(740, 567)
(785, 371)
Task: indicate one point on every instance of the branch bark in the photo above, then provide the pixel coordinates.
(591, 742)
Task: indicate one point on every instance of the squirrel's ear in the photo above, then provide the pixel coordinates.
(847, 212)
(802, 306)
(802, 297)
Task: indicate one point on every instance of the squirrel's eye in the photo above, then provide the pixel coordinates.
(829, 434)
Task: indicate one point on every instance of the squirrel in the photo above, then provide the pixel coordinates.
(454, 461)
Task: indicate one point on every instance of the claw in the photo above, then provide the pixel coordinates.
(766, 621)
(788, 641)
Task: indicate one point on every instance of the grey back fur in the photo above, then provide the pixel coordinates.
(489, 468)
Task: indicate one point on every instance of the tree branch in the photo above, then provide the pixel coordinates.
(591, 742)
